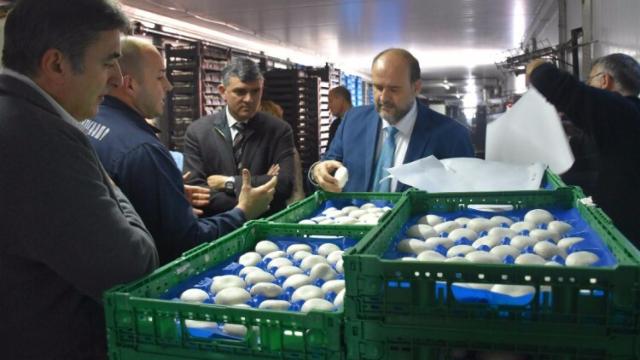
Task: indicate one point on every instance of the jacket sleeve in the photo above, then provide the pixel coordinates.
(193, 161)
(283, 155)
(94, 239)
(154, 185)
(605, 115)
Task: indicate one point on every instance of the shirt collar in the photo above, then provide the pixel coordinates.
(405, 125)
(59, 109)
(139, 119)
(230, 119)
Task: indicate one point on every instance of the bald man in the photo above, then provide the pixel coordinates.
(144, 169)
(396, 130)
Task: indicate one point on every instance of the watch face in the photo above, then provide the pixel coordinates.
(229, 187)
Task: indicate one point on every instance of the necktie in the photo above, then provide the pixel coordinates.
(385, 161)
(238, 142)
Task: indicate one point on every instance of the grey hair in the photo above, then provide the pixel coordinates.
(70, 26)
(625, 71)
(242, 68)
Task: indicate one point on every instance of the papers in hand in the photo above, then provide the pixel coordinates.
(468, 174)
(529, 132)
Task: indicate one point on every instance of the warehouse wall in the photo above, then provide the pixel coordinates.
(615, 27)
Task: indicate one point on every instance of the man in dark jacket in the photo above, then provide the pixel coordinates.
(339, 104)
(144, 169)
(218, 146)
(608, 109)
(67, 233)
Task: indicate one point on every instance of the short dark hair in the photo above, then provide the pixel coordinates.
(342, 92)
(412, 62)
(624, 69)
(242, 68)
(34, 26)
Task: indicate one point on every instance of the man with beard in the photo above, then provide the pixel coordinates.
(396, 130)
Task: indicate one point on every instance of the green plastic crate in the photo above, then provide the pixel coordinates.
(551, 181)
(583, 302)
(142, 326)
(303, 209)
(377, 340)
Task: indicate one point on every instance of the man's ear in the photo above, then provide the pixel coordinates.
(54, 66)
(417, 86)
(608, 82)
(221, 90)
(129, 84)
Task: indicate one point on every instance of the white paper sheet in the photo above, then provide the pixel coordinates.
(468, 174)
(529, 132)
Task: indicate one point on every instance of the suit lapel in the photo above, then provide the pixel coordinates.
(222, 137)
(371, 137)
(420, 136)
(221, 128)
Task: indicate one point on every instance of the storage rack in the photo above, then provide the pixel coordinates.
(298, 92)
(194, 71)
(329, 78)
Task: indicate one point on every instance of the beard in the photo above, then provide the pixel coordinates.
(396, 116)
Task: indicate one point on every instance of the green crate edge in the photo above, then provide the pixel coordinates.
(148, 323)
(376, 340)
(305, 207)
(553, 179)
(366, 274)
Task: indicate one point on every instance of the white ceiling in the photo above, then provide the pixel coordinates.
(451, 38)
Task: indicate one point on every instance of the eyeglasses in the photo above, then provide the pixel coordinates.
(591, 78)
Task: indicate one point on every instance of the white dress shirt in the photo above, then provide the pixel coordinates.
(231, 121)
(403, 136)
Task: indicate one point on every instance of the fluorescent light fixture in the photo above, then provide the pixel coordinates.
(517, 23)
(226, 38)
(470, 99)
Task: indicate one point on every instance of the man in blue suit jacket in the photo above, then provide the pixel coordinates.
(361, 141)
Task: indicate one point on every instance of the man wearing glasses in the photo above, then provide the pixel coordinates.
(608, 109)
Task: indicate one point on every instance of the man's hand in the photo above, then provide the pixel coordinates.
(216, 182)
(197, 196)
(274, 170)
(322, 173)
(532, 66)
(255, 201)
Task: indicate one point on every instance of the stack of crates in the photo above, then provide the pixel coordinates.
(407, 309)
(395, 309)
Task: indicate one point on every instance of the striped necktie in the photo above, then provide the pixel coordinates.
(238, 143)
(385, 161)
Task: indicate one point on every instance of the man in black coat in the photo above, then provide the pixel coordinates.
(67, 233)
(608, 109)
(218, 146)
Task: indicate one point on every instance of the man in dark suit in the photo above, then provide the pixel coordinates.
(339, 104)
(67, 234)
(219, 145)
(396, 130)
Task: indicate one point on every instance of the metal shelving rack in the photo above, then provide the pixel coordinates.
(194, 71)
(299, 93)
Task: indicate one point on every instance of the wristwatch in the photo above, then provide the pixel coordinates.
(230, 186)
